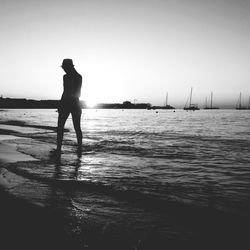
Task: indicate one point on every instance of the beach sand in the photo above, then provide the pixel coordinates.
(26, 225)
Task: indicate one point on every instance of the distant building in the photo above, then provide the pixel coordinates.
(124, 105)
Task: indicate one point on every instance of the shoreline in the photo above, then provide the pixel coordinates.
(37, 225)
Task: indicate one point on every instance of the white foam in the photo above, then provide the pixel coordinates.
(9, 154)
(8, 137)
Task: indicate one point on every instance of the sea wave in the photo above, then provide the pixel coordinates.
(186, 160)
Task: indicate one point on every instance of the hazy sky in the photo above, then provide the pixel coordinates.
(127, 49)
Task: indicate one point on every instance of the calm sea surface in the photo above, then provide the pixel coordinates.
(136, 161)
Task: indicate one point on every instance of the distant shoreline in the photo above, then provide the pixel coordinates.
(22, 103)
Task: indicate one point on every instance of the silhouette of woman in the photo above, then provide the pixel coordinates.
(72, 83)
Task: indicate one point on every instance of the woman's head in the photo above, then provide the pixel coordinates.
(67, 65)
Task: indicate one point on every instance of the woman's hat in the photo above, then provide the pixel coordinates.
(67, 62)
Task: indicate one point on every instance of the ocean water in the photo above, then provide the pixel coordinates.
(141, 169)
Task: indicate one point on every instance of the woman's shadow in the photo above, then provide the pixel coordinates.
(63, 171)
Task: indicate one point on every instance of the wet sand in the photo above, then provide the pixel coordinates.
(26, 225)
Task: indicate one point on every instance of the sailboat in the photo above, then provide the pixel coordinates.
(206, 106)
(191, 106)
(166, 105)
(238, 104)
(211, 103)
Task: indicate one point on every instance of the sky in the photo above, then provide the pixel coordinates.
(135, 50)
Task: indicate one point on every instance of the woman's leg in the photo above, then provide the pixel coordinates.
(62, 117)
(76, 117)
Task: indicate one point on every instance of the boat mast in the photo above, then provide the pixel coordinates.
(167, 99)
(240, 101)
(190, 97)
(211, 105)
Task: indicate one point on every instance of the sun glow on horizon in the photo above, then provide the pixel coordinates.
(90, 103)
